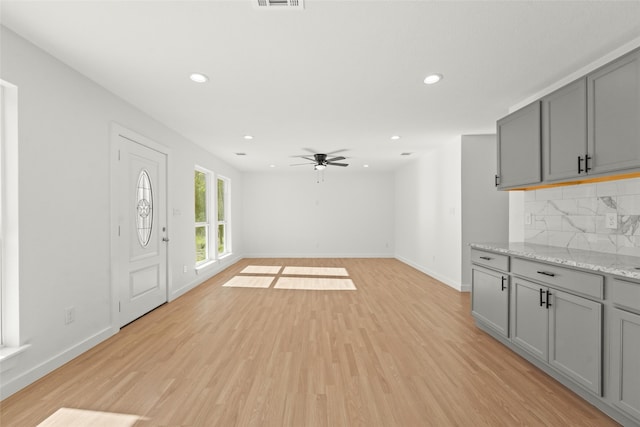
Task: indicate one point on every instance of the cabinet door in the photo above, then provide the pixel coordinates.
(625, 362)
(614, 115)
(531, 318)
(575, 338)
(564, 131)
(490, 299)
(519, 147)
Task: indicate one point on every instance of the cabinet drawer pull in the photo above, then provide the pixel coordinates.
(486, 258)
(548, 298)
(546, 273)
(580, 170)
(541, 297)
(504, 279)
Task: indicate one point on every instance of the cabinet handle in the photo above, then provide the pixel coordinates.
(580, 170)
(541, 295)
(504, 279)
(495, 180)
(586, 163)
(548, 299)
(546, 273)
(486, 258)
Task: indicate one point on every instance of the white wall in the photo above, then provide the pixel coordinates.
(290, 214)
(427, 210)
(64, 142)
(485, 210)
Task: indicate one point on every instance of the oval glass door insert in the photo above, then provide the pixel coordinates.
(144, 208)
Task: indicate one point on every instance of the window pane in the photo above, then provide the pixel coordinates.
(220, 200)
(201, 196)
(201, 243)
(221, 249)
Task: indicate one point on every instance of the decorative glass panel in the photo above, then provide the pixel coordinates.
(144, 208)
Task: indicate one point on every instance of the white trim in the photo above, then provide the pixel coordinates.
(118, 131)
(53, 363)
(616, 53)
(446, 280)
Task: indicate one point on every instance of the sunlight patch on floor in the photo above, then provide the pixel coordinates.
(316, 271)
(249, 282)
(69, 417)
(261, 269)
(316, 284)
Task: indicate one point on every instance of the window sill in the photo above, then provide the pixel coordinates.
(228, 254)
(205, 265)
(9, 357)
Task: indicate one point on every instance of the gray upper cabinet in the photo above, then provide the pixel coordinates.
(564, 131)
(519, 154)
(613, 94)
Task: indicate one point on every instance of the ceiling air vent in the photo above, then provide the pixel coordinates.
(279, 4)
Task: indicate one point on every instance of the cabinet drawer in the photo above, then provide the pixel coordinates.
(489, 259)
(560, 277)
(626, 294)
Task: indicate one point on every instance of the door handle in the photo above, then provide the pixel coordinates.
(548, 298)
(165, 239)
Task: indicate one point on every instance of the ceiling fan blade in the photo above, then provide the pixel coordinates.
(311, 150)
(336, 158)
(311, 159)
(300, 164)
(337, 151)
(338, 164)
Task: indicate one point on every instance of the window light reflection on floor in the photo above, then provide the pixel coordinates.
(70, 417)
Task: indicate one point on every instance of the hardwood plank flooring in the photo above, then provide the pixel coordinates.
(401, 350)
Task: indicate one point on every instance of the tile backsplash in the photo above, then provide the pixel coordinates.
(575, 216)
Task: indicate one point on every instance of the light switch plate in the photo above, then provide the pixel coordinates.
(611, 220)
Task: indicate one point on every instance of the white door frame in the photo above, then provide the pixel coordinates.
(116, 132)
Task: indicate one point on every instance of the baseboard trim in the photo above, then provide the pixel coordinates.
(297, 255)
(206, 274)
(446, 280)
(39, 371)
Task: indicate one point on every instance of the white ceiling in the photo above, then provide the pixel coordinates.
(337, 75)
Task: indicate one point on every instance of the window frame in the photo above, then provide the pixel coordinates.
(209, 204)
(226, 222)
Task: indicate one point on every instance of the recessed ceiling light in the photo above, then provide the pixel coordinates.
(365, 166)
(199, 78)
(248, 137)
(272, 166)
(433, 78)
(395, 137)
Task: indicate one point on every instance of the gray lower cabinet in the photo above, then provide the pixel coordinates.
(613, 94)
(561, 329)
(625, 361)
(519, 155)
(490, 299)
(564, 132)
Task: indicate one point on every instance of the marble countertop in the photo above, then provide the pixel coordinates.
(618, 265)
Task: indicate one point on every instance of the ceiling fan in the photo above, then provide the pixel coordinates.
(320, 160)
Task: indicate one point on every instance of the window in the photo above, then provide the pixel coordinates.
(224, 240)
(9, 246)
(202, 186)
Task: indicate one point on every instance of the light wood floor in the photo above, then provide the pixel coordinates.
(401, 350)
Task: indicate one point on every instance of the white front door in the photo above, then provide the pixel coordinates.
(142, 221)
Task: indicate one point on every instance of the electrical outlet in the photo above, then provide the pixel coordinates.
(69, 315)
(527, 218)
(184, 269)
(611, 220)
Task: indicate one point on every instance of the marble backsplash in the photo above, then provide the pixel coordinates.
(574, 216)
